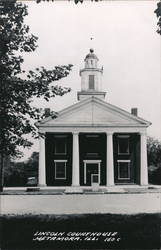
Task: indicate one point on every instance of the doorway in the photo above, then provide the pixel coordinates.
(92, 172)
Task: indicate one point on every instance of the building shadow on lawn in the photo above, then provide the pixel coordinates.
(87, 231)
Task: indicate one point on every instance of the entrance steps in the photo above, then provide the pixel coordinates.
(81, 190)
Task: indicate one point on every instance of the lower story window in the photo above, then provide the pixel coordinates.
(123, 169)
(60, 169)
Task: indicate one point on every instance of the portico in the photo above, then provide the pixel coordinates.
(93, 141)
(104, 169)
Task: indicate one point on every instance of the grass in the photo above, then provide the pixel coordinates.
(140, 231)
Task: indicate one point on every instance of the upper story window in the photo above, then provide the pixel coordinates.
(92, 144)
(60, 145)
(123, 144)
(91, 82)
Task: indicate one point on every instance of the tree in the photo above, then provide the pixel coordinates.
(17, 173)
(158, 14)
(154, 160)
(18, 87)
(31, 166)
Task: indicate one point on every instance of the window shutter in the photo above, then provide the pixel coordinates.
(91, 82)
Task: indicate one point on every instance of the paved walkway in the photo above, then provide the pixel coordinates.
(119, 203)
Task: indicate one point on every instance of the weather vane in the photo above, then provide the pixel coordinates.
(91, 39)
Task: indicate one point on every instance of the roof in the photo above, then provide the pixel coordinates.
(91, 55)
(93, 112)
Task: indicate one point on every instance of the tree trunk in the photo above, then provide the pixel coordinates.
(1, 171)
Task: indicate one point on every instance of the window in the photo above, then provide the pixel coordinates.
(92, 136)
(60, 169)
(123, 169)
(60, 146)
(91, 82)
(123, 144)
(92, 143)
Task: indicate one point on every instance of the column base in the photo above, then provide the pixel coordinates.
(41, 185)
(110, 185)
(144, 184)
(74, 189)
(114, 189)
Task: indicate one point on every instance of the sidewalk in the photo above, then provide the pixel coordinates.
(118, 203)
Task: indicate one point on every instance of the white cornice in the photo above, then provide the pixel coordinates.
(140, 122)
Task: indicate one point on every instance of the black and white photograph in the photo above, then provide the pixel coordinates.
(80, 124)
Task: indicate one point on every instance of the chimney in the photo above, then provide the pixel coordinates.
(47, 112)
(134, 111)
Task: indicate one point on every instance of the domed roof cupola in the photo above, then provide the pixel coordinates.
(91, 60)
(91, 55)
(91, 78)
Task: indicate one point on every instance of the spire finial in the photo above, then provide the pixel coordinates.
(91, 49)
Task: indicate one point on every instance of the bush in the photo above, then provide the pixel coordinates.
(154, 160)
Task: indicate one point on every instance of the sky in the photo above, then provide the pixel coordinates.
(125, 41)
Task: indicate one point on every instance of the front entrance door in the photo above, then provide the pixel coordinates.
(91, 172)
(95, 179)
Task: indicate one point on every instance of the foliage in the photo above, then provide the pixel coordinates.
(18, 87)
(32, 162)
(154, 151)
(16, 173)
(157, 11)
(158, 14)
(154, 160)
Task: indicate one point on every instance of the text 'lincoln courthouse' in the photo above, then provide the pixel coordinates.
(93, 141)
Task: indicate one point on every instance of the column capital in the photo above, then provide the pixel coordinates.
(75, 133)
(109, 132)
(143, 133)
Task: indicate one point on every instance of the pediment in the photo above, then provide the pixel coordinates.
(93, 112)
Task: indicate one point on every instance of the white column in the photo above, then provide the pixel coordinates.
(110, 162)
(99, 172)
(85, 178)
(75, 162)
(143, 162)
(42, 170)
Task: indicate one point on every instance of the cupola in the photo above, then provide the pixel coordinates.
(91, 78)
(91, 60)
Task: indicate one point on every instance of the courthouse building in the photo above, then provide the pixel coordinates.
(93, 141)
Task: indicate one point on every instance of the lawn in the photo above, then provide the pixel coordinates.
(87, 231)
